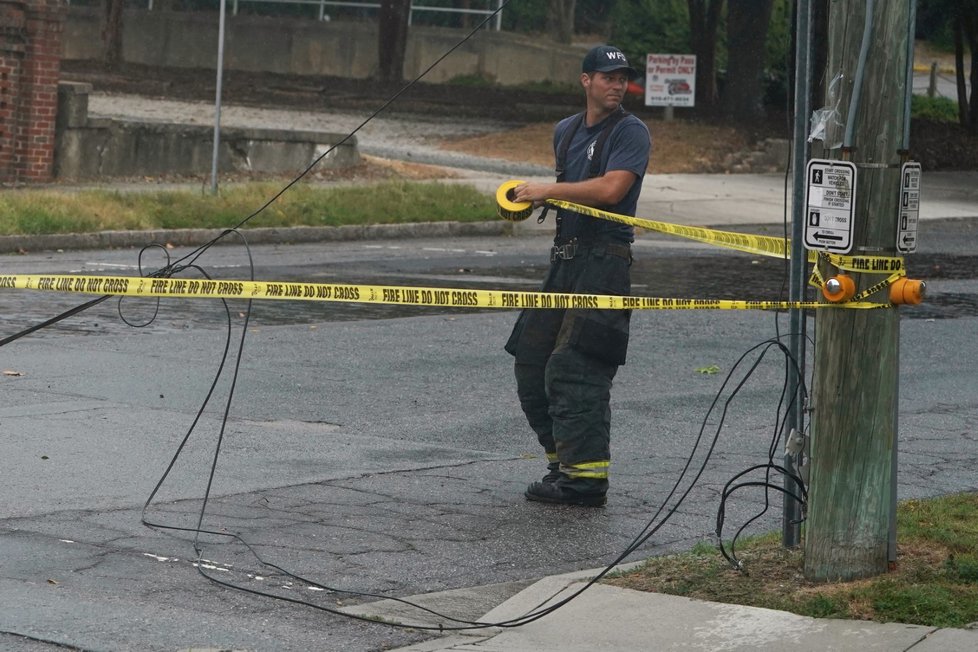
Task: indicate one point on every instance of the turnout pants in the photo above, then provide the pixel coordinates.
(567, 358)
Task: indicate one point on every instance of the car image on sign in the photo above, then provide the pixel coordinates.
(678, 87)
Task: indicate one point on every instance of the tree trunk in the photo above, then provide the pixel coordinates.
(704, 18)
(112, 33)
(970, 32)
(820, 46)
(392, 39)
(560, 20)
(958, 28)
(747, 25)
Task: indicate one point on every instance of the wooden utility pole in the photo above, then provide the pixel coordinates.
(854, 397)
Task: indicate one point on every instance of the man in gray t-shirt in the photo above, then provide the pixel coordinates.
(566, 360)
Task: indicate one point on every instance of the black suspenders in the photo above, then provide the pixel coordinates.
(595, 169)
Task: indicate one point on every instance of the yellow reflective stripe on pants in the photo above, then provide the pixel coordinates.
(552, 457)
(597, 470)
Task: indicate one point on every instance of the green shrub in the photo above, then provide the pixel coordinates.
(940, 109)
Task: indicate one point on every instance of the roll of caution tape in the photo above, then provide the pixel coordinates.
(506, 208)
(383, 294)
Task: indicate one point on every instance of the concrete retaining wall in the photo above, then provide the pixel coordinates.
(88, 148)
(311, 47)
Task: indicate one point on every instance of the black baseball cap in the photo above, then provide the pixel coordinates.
(607, 58)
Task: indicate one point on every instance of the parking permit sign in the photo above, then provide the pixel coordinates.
(670, 80)
(830, 205)
(909, 207)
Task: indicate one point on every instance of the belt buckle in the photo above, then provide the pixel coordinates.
(564, 251)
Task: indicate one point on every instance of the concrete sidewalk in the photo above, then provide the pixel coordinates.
(605, 617)
(723, 200)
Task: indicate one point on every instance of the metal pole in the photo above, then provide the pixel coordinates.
(791, 528)
(217, 97)
(911, 25)
(499, 15)
(891, 546)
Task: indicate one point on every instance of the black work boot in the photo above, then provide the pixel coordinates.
(553, 473)
(564, 491)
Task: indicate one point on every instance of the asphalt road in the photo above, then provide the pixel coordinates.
(385, 453)
(945, 84)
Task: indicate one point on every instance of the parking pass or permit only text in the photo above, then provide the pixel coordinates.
(909, 207)
(830, 205)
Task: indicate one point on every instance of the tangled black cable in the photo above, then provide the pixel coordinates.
(780, 425)
(189, 263)
(457, 624)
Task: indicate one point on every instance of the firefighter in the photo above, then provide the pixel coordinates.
(566, 360)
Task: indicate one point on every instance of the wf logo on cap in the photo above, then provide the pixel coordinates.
(606, 58)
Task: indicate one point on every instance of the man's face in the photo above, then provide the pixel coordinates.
(605, 89)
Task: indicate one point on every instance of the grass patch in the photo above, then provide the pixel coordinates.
(939, 109)
(390, 202)
(935, 582)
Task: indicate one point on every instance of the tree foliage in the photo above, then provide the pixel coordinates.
(744, 45)
(645, 26)
(954, 24)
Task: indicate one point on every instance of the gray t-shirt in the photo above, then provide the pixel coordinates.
(627, 148)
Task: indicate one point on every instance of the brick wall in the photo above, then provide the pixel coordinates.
(30, 59)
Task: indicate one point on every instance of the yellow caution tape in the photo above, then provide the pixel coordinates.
(753, 244)
(469, 298)
(508, 209)
(868, 264)
(816, 280)
(383, 294)
(882, 285)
